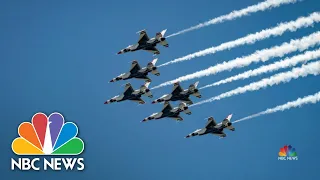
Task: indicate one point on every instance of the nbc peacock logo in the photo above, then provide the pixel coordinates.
(287, 152)
(47, 136)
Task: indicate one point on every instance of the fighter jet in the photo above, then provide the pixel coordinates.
(132, 95)
(144, 43)
(179, 94)
(213, 128)
(139, 73)
(169, 112)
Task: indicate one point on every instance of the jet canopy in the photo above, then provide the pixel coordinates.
(116, 96)
(154, 114)
(163, 96)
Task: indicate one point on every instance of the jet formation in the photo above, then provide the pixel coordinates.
(177, 93)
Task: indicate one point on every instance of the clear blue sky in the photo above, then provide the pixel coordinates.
(60, 55)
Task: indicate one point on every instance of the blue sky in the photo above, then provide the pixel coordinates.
(59, 56)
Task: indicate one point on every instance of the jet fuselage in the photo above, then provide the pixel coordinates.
(149, 44)
(130, 97)
(141, 74)
(218, 130)
(184, 95)
(213, 131)
(174, 113)
(169, 114)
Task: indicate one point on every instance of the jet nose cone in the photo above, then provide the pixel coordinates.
(106, 102)
(111, 80)
(119, 52)
(187, 136)
(153, 102)
(144, 120)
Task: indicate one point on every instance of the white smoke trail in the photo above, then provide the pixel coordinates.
(311, 99)
(262, 6)
(260, 55)
(288, 62)
(305, 70)
(281, 28)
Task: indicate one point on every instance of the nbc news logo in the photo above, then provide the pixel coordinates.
(47, 136)
(287, 153)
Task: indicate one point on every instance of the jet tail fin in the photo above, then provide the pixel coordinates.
(183, 107)
(161, 38)
(227, 123)
(152, 67)
(161, 34)
(193, 86)
(141, 31)
(154, 61)
(145, 89)
(146, 84)
(193, 89)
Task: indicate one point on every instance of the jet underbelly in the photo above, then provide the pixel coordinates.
(179, 97)
(172, 114)
(139, 75)
(148, 45)
(152, 42)
(214, 131)
(134, 97)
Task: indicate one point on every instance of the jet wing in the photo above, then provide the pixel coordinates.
(166, 108)
(139, 100)
(188, 101)
(176, 89)
(146, 78)
(211, 122)
(143, 37)
(178, 118)
(221, 134)
(152, 50)
(128, 90)
(135, 67)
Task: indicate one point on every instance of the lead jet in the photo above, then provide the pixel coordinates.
(169, 112)
(178, 94)
(213, 128)
(139, 73)
(145, 43)
(132, 95)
